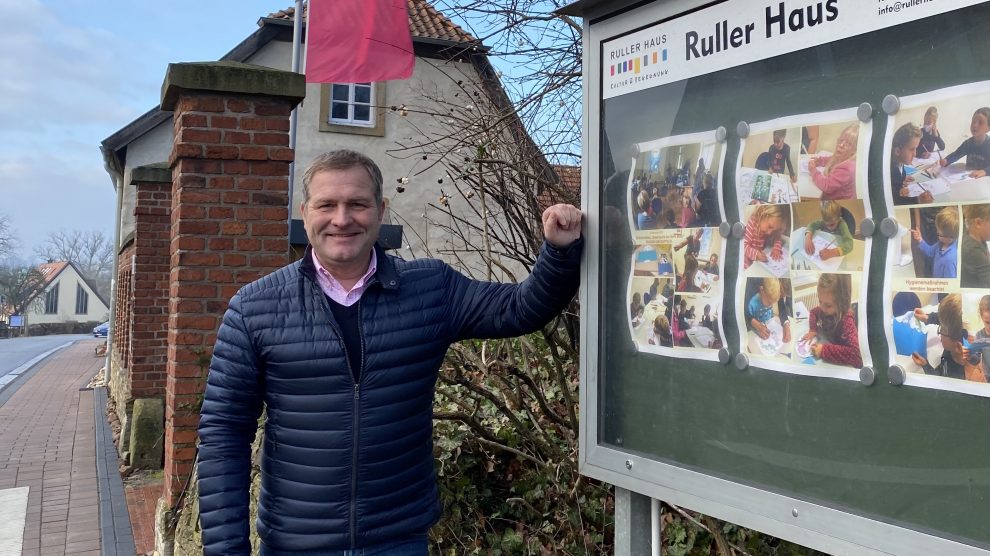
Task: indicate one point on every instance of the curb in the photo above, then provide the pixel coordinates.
(116, 537)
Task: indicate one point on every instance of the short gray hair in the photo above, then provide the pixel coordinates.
(343, 159)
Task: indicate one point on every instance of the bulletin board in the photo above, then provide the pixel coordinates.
(828, 431)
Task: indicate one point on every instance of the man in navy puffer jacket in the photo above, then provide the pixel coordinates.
(343, 348)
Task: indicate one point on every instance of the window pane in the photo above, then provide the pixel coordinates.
(338, 111)
(362, 94)
(340, 92)
(362, 113)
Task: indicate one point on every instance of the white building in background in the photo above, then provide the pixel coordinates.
(67, 296)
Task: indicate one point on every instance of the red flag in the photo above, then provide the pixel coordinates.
(358, 41)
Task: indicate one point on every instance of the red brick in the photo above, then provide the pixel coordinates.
(269, 229)
(223, 152)
(200, 197)
(252, 124)
(254, 153)
(189, 242)
(275, 213)
(218, 275)
(185, 339)
(192, 120)
(197, 166)
(270, 168)
(190, 180)
(223, 122)
(276, 124)
(237, 137)
(188, 305)
(221, 213)
(270, 199)
(221, 182)
(221, 243)
(250, 183)
(248, 244)
(234, 259)
(236, 197)
(187, 258)
(238, 105)
(187, 211)
(201, 291)
(191, 103)
(233, 228)
(248, 213)
(236, 167)
(277, 184)
(185, 436)
(206, 227)
(187, 150)
(194, 135)
(277, 139)
(270, 261)
(283, 154)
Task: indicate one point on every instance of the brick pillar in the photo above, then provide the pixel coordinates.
(230, 166)
(149, 309)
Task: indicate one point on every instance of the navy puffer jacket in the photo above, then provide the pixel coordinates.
(346, 465)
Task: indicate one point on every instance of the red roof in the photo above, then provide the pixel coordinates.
(51, 270)
(424, 22)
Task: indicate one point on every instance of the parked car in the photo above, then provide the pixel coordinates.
(101, 330)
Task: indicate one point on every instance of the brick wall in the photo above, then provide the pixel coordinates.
(122, 316)
(149, 307)
(230, 162)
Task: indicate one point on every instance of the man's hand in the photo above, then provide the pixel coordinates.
(562, 225)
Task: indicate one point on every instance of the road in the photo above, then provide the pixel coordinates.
(15, 352)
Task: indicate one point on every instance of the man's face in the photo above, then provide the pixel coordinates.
(342, 218)
(778, 142)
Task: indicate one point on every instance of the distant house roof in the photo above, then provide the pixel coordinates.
(570, 179)
(424, 22)
(52, 270)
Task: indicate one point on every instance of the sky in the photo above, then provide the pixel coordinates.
(73, 72)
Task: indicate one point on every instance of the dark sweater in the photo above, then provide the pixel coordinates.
(348, 319)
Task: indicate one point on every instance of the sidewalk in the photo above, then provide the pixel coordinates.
(48, 433)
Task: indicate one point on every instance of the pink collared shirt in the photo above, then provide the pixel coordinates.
(335, 291)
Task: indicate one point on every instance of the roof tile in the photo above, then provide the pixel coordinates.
(425, 22)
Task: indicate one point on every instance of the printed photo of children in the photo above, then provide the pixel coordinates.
(826, 236)
(801, 189)
(674, 184)
(674, 212)
(830, 162)
(937, 147)
(766, 241)
(938, 265)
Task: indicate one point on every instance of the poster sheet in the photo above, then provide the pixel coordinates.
(675, 206)
(937, 285)
(800, 299)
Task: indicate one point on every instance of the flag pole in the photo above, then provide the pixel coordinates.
(297, 67)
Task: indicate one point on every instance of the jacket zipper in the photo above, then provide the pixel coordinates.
(355, 422)
(356, 436)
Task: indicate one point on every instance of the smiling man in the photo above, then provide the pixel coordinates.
(342, 348)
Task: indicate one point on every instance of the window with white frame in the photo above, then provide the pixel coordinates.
(351, 104)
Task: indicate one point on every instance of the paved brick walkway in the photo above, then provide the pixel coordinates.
(47, 443)
(141, 502)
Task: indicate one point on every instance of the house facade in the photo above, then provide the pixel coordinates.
(66, 297)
